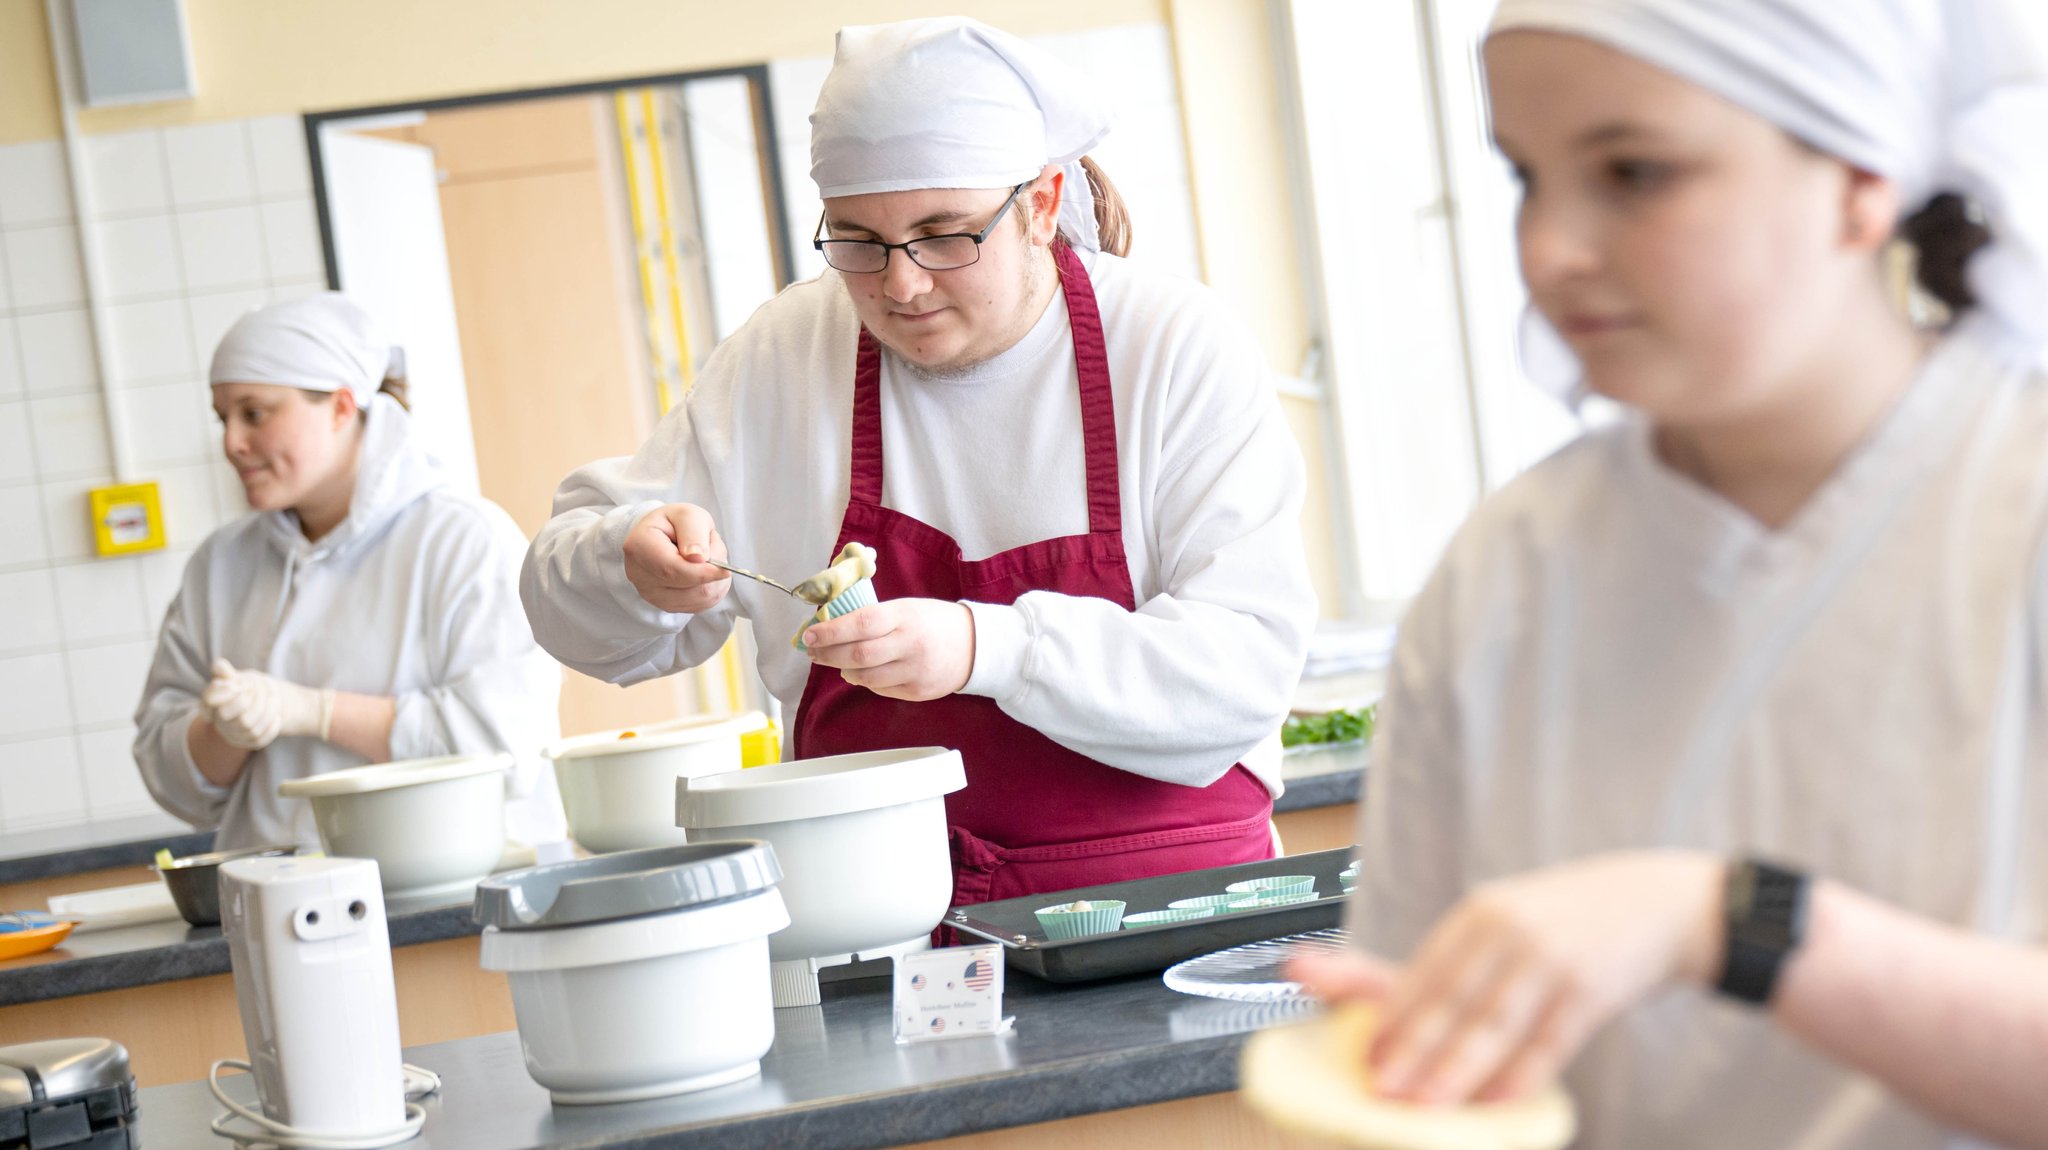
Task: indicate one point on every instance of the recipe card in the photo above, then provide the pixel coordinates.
(956, 992)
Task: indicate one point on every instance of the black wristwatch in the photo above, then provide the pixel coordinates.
(1764, 914)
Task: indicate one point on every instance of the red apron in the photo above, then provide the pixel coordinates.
(1035, 816)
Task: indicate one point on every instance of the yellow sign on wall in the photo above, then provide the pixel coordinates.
(127, 518)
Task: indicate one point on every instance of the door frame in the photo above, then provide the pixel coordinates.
(764, 135)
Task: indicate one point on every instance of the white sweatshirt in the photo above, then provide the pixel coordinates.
(412, 596)
(1198, 678)
(1610, 657)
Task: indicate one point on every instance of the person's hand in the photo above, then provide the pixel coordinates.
(665, 554)
(251, 709)
(913, 649)
(1511, 982)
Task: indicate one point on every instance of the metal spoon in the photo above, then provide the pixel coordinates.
(752, 575)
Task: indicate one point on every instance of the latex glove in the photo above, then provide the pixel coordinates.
(251, 709)
(914, 649)
(664, 555)
(1512, 981)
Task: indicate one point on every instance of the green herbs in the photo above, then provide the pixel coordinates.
(1334, 727)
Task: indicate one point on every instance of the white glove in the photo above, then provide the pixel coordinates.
(251, 709)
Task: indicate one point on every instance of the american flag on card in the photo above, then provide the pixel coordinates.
(938, 1025)
(980, 973)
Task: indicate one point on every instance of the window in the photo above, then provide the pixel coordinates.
(1412, 266)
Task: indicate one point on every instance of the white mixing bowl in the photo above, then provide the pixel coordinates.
(638, 974)
(618, 787)
(435, 826)
(861, 840)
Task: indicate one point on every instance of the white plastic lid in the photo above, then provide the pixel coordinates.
(813, 788)
(674, 733)
(387, 776)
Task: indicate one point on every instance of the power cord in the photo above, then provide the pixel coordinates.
(419, 1082)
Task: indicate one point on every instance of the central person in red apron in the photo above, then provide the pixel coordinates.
(1035, 815)
(1083, 495)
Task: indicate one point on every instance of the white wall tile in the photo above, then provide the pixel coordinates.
(67, 517)
(33, 186)
(28, 611)
(209, 163)
(6, 288)
(279, 146)
(284, 291)
(127, 170)
(212, 313)
(292, 235)
(22, 538)
(230, 497)
(163, 572)
(35, 697)
(113, 784)
(43, 268)
(139, 255)
(151, 340)
(56, 351)
(100, 601)
(17, 445)
(41, 784)
(221, 248)
(107, 681)
(10, 358)
(71, 435)
(165, 425)
(191, 508)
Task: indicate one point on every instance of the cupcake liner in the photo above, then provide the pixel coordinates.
(1263, 901)
(1214, 902)
(1156, 917)
(1104, 918)
(861, 594)
(1274, 884)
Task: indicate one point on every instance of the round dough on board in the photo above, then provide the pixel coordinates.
(1309, 1079)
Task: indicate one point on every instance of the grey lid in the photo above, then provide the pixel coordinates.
(65, 1066)
(15, 1091)
(626, 885)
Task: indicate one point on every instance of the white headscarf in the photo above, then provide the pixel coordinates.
(323, 342)
(953, 103)
(1935, 95)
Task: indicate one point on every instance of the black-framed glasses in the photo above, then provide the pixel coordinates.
(932, 253)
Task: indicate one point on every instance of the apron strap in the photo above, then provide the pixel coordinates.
(866, 472)
(1098, 400)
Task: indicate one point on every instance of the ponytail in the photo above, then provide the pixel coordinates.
(1112, 218)
(395, 387)
(1946, 233)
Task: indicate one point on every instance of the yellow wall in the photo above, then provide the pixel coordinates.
(267, 57)
(282, 57)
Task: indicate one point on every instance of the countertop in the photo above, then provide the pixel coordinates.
(154, 952)
(167, 951)
(1315, 777)
(835, 1079)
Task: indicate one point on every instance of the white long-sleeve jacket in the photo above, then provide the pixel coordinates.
(1198, 678)
(413, 596)
(1611, 658)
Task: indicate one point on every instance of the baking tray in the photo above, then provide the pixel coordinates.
(1011, 922)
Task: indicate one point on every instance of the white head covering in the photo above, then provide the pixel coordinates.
(323, 342)
(953, 103)
(1935, 95)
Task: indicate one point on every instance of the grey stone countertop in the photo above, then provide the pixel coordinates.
(166, 951)
(121, 957)
(835, 1079)
(1315, 777)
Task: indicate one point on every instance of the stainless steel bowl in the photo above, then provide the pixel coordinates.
(195, 881)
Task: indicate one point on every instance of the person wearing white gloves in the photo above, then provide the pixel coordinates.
(365, 613)
(1713, 766)
(1074, 470)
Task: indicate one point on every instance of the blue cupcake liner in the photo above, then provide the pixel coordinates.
(1103, 917)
